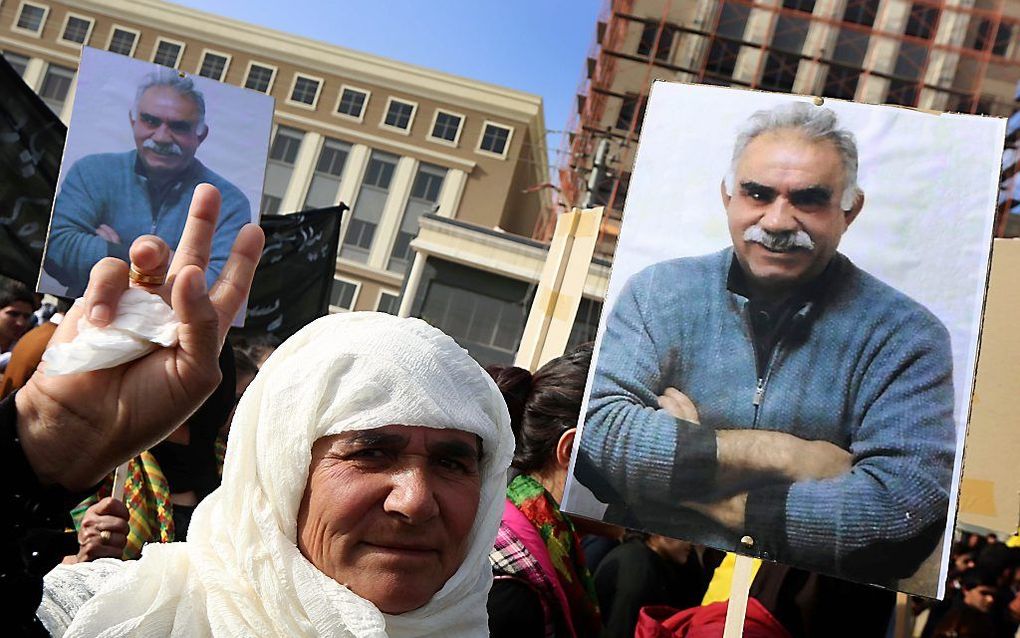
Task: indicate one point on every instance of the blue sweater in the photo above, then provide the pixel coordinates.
(861, 366)
(107, 189)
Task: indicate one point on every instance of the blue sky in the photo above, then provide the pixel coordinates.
(538, 46)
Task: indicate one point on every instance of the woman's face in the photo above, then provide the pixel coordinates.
(387, 512)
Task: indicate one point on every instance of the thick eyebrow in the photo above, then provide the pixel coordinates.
(754, 188)
(372, 439)
(811, 196)
(456, 449)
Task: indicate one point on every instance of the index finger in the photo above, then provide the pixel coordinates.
(196, 240)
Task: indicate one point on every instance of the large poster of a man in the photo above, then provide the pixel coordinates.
(142, 136)
(786, 362)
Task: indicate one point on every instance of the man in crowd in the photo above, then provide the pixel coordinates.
(772, 397)
(109, 199)
(16, 307)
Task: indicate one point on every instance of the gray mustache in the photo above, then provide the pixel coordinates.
(780, 242)
(169, 148)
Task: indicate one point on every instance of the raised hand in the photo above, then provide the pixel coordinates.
(75, 429)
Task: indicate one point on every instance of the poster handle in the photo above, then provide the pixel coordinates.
(736, 609)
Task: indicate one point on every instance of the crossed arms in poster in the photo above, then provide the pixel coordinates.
(843, 465)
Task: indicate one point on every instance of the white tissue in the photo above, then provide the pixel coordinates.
(143, 323)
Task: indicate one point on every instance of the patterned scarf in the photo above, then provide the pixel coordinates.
(539, 507)
(147, 497)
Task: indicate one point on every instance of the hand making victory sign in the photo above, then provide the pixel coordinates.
(76, 428)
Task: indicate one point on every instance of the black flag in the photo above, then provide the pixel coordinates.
(31, 144)
(295, 275)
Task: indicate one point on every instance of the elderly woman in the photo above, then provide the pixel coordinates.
(361, 492)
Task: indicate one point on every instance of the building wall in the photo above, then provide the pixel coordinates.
(477, 183)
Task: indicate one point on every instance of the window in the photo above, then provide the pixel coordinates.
(76, 30)
(1003, 36)
(841, 82)
(495, 139)
(305, 90)
(446, 127)
(343, 295)
(168, 53)
(282, 154)
(18, 62)
(722, 58)
(780, 71)
(586, 323)
(424, 195)
(399, 114)
(922, 21)
(902, 93)
(260, 77)
(368, 208)
(31, 18)
(325, 185)
(214, 65)
(55, 86)
(648, 35)
(352, 102)
(389, 302)
(628, 106)
(861, 12)
(807, 6)
(122, 41)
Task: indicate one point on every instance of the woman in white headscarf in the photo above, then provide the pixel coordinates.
(408, 441)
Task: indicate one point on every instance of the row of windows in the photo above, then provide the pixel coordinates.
(370, 201)
(345, 294)
(305, 91)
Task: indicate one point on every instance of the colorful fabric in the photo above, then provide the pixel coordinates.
(511, 559)
(147, 496)
(564, 548)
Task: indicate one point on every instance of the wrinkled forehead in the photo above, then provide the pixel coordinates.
(787, 155)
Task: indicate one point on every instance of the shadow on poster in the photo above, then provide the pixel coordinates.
(141, 137)
(786, 363)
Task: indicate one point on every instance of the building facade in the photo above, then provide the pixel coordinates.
(944, 55)
(394, 141)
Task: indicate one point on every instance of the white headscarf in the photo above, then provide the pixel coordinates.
(240, 573)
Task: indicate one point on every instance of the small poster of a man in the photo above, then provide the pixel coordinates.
(785, 364)
(142, 137)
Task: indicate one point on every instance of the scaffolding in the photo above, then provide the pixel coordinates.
(945, 55)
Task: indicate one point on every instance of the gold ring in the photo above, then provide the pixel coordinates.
(145, 280)
(105, 535)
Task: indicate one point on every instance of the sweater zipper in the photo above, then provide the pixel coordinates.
(762, 381)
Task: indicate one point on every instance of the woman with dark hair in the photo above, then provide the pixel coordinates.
(542, 587)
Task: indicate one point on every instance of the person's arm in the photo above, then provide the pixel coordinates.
(656, 452)
(641, 451)
(74, 429)
(75, 243)
(884, 517)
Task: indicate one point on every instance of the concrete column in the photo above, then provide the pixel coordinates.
(354, 171)
(453, 189)
(34, 72)
(65, 113)
(301, 176)
(400, 188)
(413, 281)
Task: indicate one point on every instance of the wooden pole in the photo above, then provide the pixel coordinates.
(559, 288)
(736, 609)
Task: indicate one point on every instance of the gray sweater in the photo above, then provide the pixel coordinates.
(109, 189)
(861, 366)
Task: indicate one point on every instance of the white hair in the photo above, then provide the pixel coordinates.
(183, 85)
(816, 123)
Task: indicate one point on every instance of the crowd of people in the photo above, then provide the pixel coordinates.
(375, 482)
